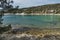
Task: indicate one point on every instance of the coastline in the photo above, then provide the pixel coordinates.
(30, 14)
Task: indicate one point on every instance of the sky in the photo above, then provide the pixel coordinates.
(30, 3)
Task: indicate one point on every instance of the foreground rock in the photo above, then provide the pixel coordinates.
(26, 33)
(28, 37)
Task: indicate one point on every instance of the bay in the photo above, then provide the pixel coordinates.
(32, 20)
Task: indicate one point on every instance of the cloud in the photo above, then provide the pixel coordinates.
(27, 3)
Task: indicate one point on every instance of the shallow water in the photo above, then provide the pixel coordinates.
(36, 20)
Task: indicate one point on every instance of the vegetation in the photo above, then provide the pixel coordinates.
(5, 28)
(43, 9)
(37, 9)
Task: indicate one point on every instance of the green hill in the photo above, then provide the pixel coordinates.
(43, 9)
(49, 8)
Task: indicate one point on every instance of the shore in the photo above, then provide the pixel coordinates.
(33, 34)
(30, 14)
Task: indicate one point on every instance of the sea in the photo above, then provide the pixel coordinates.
(32, 20)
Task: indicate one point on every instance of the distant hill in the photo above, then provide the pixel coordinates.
(49, 8)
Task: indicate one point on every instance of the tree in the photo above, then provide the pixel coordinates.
(1, 20)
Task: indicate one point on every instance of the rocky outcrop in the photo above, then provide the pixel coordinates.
(14, 37)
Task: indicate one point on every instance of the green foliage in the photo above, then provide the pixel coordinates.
(38, 9)
(5, 28)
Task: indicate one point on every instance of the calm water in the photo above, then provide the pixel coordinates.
(41, 20)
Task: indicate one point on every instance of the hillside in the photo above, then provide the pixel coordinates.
(49, 8)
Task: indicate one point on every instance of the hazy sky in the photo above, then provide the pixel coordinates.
(29, 3)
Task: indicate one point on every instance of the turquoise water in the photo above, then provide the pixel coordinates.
(37, 20)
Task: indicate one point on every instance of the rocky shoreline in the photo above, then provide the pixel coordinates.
(30, 14)
(29, 33)
(28, 37)
(25, 33)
